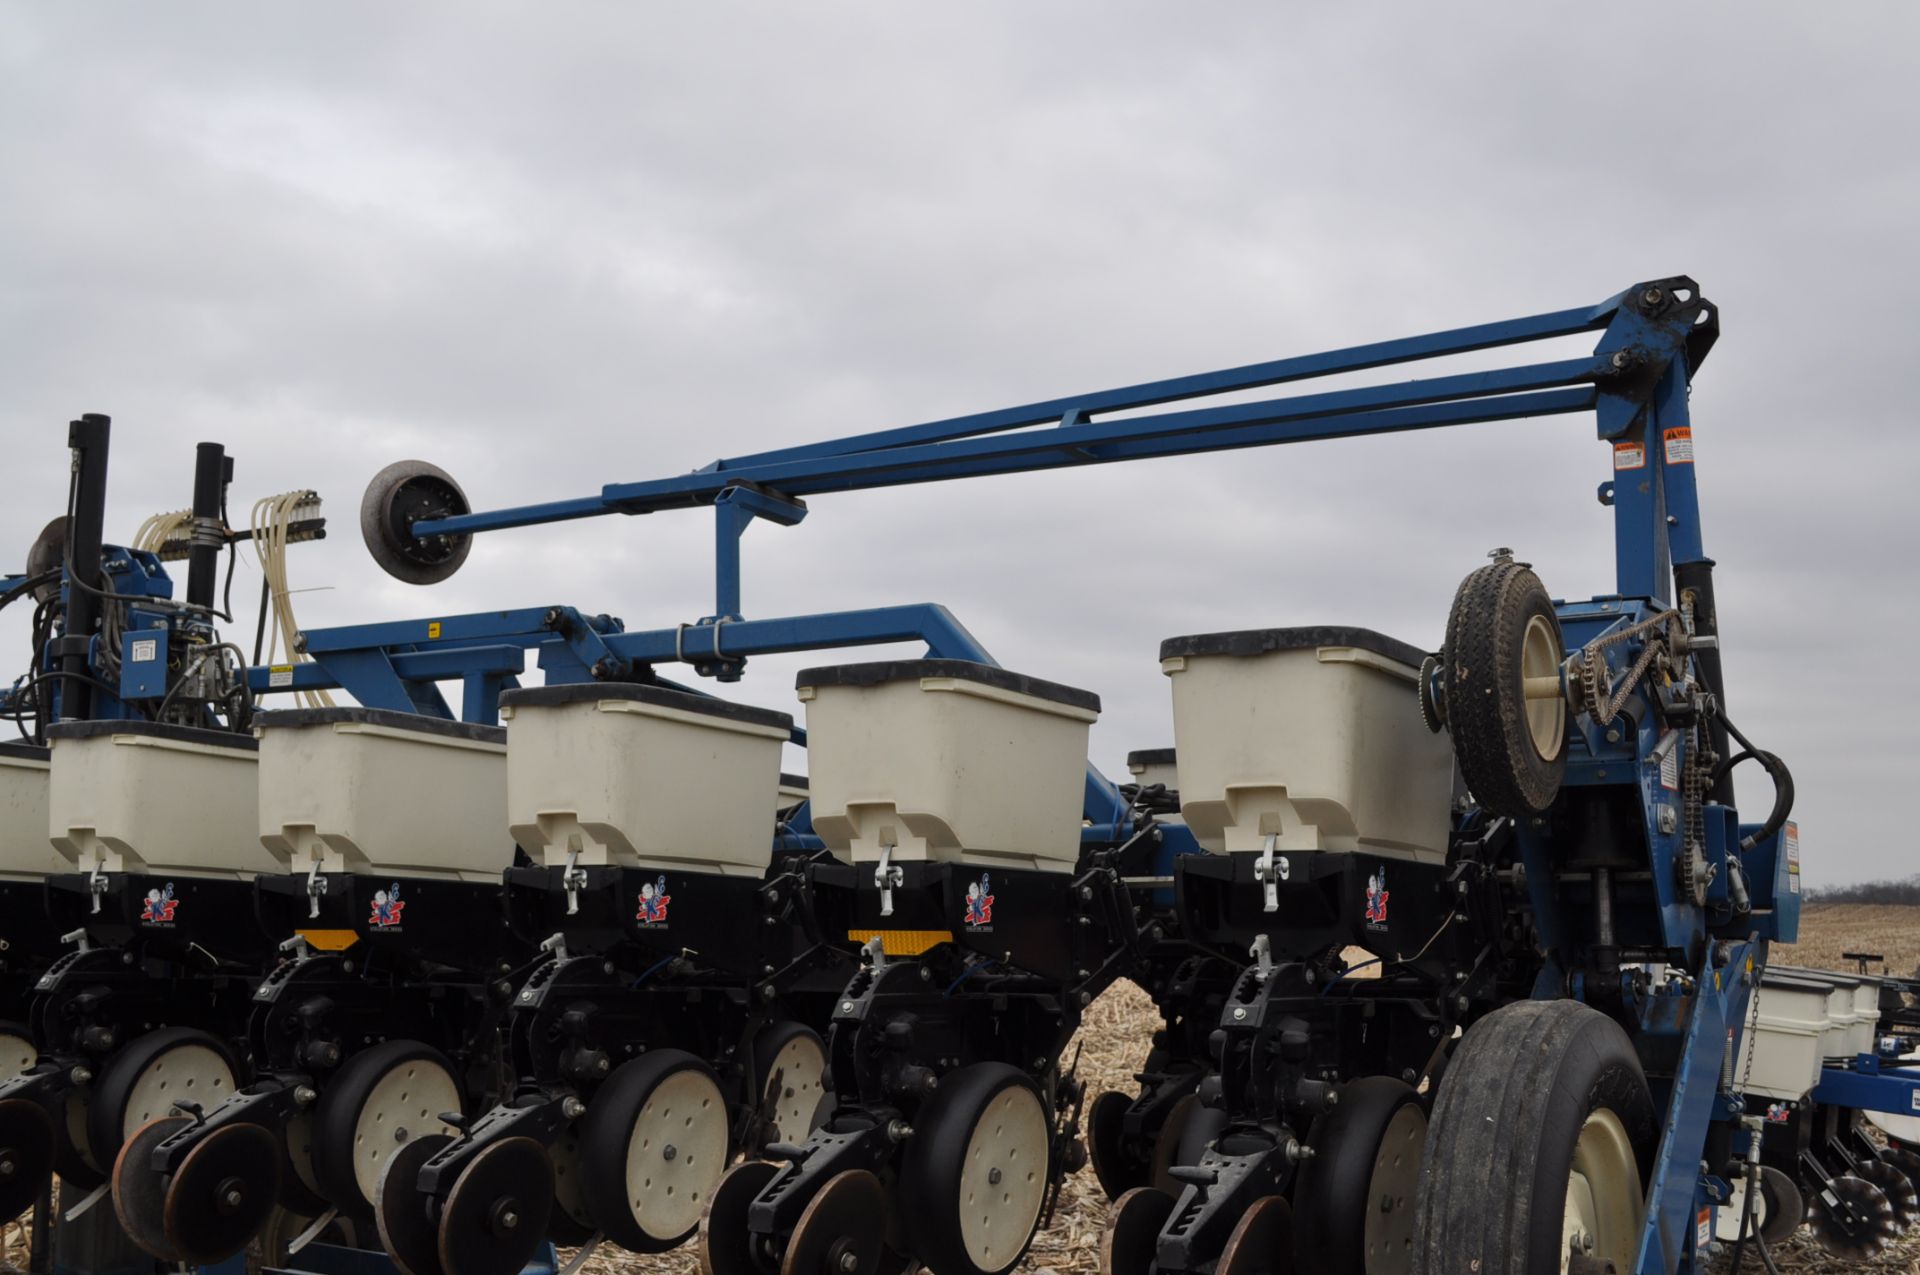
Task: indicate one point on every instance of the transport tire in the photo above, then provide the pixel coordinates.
(790, 1066)
(654, 1144)
(977, 1170)
(406, 492)
(1502, 630)
(1353, 1201)
(1537, 1147)
(381, 1099)
(141, 1083)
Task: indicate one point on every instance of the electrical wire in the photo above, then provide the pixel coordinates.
(270, 519)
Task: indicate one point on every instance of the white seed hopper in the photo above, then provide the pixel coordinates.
(26, 853)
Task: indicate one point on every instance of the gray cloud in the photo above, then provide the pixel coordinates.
(551, 248)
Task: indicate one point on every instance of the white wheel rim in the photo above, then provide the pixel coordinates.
(1546, 718)
(405, 1103)
(1727, 1217)
(676, 1154)
(186, 1073)
(17, 1054)
(795, 1087)
(1003, 1179)
(1396, 1172)
(1603, 1206)
(565, 1153)
(300, 1153)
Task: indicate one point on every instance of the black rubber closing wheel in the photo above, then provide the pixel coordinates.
(1785, 1207)
(1899, 1190)
(653, 1146)
(1115, 1170)
(1129, 1244)
(406, 492)
(140, 1191)
(976, 1171)
(223, 1193)
(1537, 1147)
(1262, 1241)
(790, 1061)
(496, 1215)
(1501, 632)
(1857, 1224)
(408, 1230)
(26, 1155)
(379, 1100)
(151, 1073)
(727, 1246)
(1353, 1201)
(843, 1230)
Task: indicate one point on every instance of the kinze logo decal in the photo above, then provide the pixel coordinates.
(387, 907)
(160, 907)
(979, 915)
(653, 903)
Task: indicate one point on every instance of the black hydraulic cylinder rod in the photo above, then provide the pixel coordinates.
(1694, 581)
(88, 438)
(211, 473)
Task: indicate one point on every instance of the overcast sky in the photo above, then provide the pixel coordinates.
(550, 246)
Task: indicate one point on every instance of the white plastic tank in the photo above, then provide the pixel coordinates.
(1150, 766)
(368, 791)
(1782, 1055)
(1309, 735)
(26, 852)
(135, 796)
(605, 773)
(947, 760)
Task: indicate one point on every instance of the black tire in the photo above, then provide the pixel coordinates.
(1486, 704)
(800, 1106)
(337, 1115)
(608, 1128)
(406, 492)
(1333, 1195)
(1786, 1206)
(1505, 1125)
(933, 1176)
(107, 1110)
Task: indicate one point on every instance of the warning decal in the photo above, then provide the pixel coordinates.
(280, 675)
(1703, 1229)
(1629, 456)
(1670, 767)
(1790, 842)
(1679, 446)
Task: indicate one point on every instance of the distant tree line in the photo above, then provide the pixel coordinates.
(1904, 892)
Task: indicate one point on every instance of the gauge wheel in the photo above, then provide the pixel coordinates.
(1537, 1146)
(26, 1155)
(378, 1101)
(790, 1062)
(1500, 668)
(1353, 1200)
(654, 1144)
(141, 1083)
(977, 1171)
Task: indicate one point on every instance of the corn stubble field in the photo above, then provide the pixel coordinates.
(1113, 1044)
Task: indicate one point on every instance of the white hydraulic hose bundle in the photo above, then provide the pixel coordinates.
(270, 519)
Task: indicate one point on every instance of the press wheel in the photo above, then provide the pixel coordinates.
(1129, 1242)
(1899, 1190)
(843, 1230)
(1116, 1171)
(222, 1194)
(653, 1146)
(26, 1155)
(727, 1245)
(381, 1099)
(1785, 1208)
(977, 1171)
(140, 1190)
(149, 1074)
(1354, 1198)
(790, 1060)
(1262, 1241)
(406, 492)
(495, 1217)
(1863, 1238)
(408, 1230)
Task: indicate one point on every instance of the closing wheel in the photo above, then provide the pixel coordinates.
(1783, 1206)
(140, 1191)
(1353, 1202)
(26, 1155)
(843, 1230)
(17, 1052)
(1128, 1245)
(149, 1074)
(1500, 671)
(653, 1146)
(1899, 1189)
(791, 1061)
(406, 492)
(1852, 1220)
(1115, 1170)
(408, 1230)
(381, 1099)
(727, 1246)
(1536, 1146)
(1262, 1241)
(223, 1192)
(496, 1215)
(976, 1171)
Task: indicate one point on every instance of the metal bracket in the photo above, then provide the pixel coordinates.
(557, 944)
(1270, 870)
(887, 876)
(79, 937)
(876, 951)
(574, 878)
(1262, 954)
(96, 885)
(316, 886)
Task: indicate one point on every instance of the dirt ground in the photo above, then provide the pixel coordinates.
(1113, 1040)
